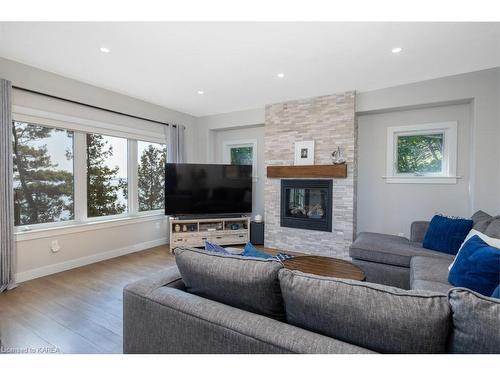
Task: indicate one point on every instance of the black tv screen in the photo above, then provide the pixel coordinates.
(207, 189)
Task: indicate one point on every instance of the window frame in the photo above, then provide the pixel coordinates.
(448, 162)
(228, 145)
(80, 128)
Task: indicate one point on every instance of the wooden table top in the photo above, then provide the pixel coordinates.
(325, 266)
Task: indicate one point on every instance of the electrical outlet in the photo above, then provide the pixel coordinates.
(157, 225)
(54, 246)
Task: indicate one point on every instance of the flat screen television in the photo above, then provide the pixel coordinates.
(199, 189)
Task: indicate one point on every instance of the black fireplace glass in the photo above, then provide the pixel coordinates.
(306, 204)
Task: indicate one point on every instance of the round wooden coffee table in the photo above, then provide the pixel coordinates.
(325, 266)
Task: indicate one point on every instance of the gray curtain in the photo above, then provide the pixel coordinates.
(7, 244)
(175, 149)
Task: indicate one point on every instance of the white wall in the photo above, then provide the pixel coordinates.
(34, 257)
(207, 125)
(246, 133)
(481, 89)
(390, 208)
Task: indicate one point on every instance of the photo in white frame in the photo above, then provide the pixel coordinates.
(304, 153)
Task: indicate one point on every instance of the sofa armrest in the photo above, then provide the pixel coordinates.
(168, 277)
(418, 230)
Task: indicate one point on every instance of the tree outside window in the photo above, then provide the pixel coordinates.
(422, 153)
(106, 175)
(242, 155)
(43, 174)
(151, 175)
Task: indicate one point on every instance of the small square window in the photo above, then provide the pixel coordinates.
(423, 153)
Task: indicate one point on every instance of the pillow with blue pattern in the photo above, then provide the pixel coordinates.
(213, 247)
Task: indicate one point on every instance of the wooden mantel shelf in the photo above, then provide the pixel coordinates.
(307, 171)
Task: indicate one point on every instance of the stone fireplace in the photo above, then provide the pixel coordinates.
(306, 204)
(330, 122)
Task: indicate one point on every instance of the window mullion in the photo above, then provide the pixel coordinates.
(133, 199)
(80, 176)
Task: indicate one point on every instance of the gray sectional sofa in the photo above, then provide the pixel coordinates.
(404, 263)
(213, 303)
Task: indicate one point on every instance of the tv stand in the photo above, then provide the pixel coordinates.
(194, 231)
(209, 216)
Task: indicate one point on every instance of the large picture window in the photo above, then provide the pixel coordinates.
(68, 173)
(107, 190)
(151, 175)
(43, 174)
(423, 153)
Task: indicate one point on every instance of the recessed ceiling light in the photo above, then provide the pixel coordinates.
(105, 49)
(280, 75)
(396, 50)
(201, 92)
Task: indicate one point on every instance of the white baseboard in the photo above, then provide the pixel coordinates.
(79, 262)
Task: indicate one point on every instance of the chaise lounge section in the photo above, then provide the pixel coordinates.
(404, 263)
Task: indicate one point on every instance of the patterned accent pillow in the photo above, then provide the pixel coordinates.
(214, 248)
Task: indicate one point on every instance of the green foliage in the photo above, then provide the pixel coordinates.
(420, 153)
(151, 178)
(102, 189)
(42, 192)
(242, 155)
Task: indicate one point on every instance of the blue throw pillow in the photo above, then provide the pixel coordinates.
(476, 267)
(496, 292)
(214, 248)
(446, 234)
(251, 251)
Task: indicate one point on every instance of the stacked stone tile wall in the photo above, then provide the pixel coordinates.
(330, 122)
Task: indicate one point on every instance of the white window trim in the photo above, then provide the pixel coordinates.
(69, 227)
(226, 153)
(56, 120)
(80, 128)
(449, 162)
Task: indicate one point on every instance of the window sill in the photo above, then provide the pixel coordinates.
(65, 229)
(421, 179)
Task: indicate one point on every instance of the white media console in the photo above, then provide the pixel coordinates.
(222, 231)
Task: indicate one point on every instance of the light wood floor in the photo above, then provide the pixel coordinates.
(76, 311)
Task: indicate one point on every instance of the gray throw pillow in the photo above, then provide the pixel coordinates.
(249, 284)
(377, 317)
(493, 229)
(476, 322)
(481, 220)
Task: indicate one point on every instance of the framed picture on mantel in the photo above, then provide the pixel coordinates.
(304, 153)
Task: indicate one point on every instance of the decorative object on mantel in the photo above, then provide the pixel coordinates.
(338, 156)
(304, 153)
(307, 171)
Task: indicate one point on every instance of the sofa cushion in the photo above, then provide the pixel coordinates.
(433, 286)
(250, 284)
(481, 221)
(476, 267)
(446, 234)
(476, 322)
(380, 318)
(388, 249)
(428, 273)
(493, 229)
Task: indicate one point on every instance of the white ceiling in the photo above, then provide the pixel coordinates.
(236, 64)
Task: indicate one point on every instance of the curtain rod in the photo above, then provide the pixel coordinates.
(90, 105)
